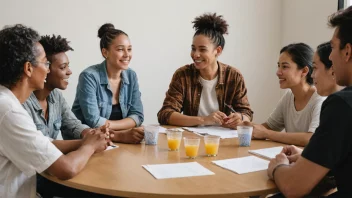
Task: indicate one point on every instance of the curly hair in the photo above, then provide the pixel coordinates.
(212, 26)
(17, 46)
(54, 45)
(107, 33)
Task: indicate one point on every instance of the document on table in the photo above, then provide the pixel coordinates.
(166, 171)
(243, 164)
(112, 147)
(214, 130)
(163, 130)
(269, 153)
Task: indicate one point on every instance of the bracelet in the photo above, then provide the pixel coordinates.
(276, 167)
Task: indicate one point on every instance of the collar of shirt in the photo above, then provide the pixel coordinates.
(104, 75)
(221, 73)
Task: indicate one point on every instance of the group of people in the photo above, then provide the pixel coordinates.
(314, 112)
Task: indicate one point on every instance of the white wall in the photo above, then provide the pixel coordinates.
(306, 21)
(161, 33)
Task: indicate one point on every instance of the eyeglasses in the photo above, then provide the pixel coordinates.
(47, 63)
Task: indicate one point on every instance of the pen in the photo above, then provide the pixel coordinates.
(232, 110)
(230, 107)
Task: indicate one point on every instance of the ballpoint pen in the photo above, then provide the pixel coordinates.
(232, 110)
(230, 107)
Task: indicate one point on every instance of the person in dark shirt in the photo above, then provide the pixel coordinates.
(330, 148)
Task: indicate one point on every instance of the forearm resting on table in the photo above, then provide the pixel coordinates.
(295, 138)
(66, 146)
(69, 165)
(299, 178)
(178, 119)
(123, 124)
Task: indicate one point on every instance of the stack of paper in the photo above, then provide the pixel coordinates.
(214, 130)
(165, 171)
(269, 153)
(243, 164)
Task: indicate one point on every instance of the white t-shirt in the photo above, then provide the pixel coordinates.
(208, 100)
(23, 149)
(286, 117)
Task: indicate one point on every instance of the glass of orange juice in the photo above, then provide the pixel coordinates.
(211, 143)
(191, 146)
(173, 139)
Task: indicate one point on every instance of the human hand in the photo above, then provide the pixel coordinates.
(259, 132)
(96, 140)
(131, 136)
(279, 159)
(215, 118)
(292, 152)
(232, 121)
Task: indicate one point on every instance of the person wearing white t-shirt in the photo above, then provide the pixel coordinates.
(299, 109)
(23, 149)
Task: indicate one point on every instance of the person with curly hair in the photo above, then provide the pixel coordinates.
(48, 108)
(23, 149)
(109, 92)
(206, 90)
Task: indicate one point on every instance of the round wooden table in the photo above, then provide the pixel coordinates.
(119, 172)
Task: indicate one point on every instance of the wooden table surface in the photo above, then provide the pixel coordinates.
(119, 172)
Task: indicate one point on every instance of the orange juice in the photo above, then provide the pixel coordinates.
(174, 144)
(192, 150)
(211, 149)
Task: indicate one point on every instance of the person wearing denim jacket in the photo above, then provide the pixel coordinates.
(108, 93)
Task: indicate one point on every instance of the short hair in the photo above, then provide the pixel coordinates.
(107, 33)
(17, 46)
(324, 51)
(302, 55)
(213, 26)
(342, 20)
(53, 45)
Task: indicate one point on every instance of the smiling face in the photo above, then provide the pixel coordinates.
(59, 72)
(288, 73)
(323, 78)
(204, 52)
(39, 69)
(119, 53)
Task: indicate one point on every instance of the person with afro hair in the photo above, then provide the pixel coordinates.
(48, 108)
(25, 151)
(207, 91)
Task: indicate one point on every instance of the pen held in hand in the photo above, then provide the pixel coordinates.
(230, 107)
(232, 110)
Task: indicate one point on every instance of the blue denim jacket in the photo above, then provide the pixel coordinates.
(93, 102)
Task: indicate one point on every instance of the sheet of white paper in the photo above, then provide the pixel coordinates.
(163, 130)
(112, 147)
(165, 171)
(243, 164)
(214, 130)
(269, 153)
